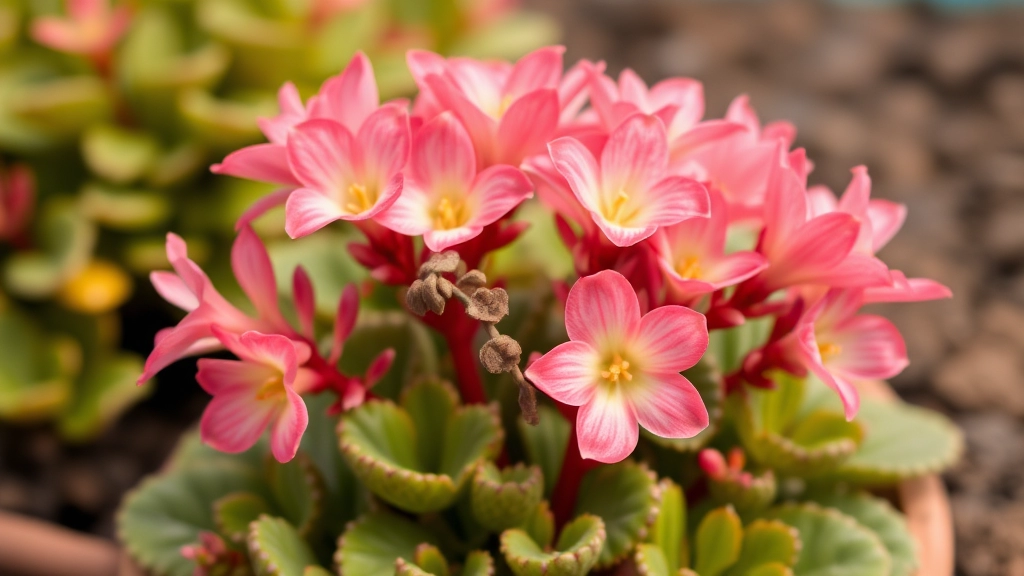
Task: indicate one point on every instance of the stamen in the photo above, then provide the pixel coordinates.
(689, 268)
(619, 368)
(270, 389)
(358, 200)
(828, 350)
(449, 214)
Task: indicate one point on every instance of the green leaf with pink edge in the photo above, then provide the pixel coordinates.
(478, 563)
(427, 560)
(885, 521)
(277, 549)
(650, 561)
(626, 496)
(505, 498)
(717, 542)
(298, 491)
(575, 553)
(707, 379)
(541, 525)
(832, 543)
(773, 569)
(545, 443)
(371, 545)
(766, 542)
(233, 514)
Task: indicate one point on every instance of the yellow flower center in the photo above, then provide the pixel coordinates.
(358, 199)
(828, 350)
(449, 214)
(689, 268)
(619, 211)
(618, 368)
(272, 389)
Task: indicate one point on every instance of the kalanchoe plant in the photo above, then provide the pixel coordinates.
(132, 99)
(688, 405)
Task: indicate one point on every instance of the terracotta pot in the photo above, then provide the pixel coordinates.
(33, 548)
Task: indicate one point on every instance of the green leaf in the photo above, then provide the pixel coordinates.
(626, 497)
(415, 355)
(507, 498)
(129, 210)
(65, 239)
(541, 525)
(370, 545)
(650, 561)
(717, 541)
(901, 442)
(773, 569)
(822, 428)
(34, 368)
(730, 346)
(224, 124)
(766, 542)
(669, 530)
(878, 515)
(833, 544)
(233, 514)
(169, 511)
(707, 379)
(509, 37)
(118, 155)
(298, 491)
(277, 549)
(746, 497)
(574, 555)
(478, 563)
(317, 571)
(545, 443)
(474, 433)
(102, 394)
(430, 404)
(345, 497)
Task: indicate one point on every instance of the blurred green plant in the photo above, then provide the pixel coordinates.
(110, 114)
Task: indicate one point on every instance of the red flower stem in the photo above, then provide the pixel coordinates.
(463, 356)
(574, 467)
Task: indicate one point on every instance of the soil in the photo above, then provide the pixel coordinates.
(932, 102)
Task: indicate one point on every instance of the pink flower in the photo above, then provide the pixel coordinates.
(17, 192)
(810, 250)
(346, 177)
(622, 369)
(91, 29)
(692, 253)
(678, 102)
(259, 390)
(190, 289)
(840, 347)
(510, 112)
(630, 193)
(445, 199)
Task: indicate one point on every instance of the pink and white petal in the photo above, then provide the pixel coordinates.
(673, 200)
(622, 236)
(734, 268)
(307, 211)
(344, 321)
(481, 128)
(580, 169)
(410, 212)
(602, 310)
(262, 206)
(671, 339)
(702, 134)
(636, 154)
(291, 112)
(870, 347)
(569, 373)
(481, 82)
(233, 422)
(857, 194)
(541, 68)
(857, 270)
(441, 240)
(821, 200)
(255, 274)
(668, 405)
(496, 191)
(633, 89)
(815, 248)
(785, 206)
(423, 63)
(443, 155)
(905, 289)
(305, 301)
(218, 376)
(606, 427)
(273, 350)
(779, 130)
(527, 126)
(172, 288)
(324, 155)
(846, 390)
(350, 97)
(886, 220)
(174, 345)
(379, 367)
(388, 195)
(261, 162)
(287, 428)
(686, 93)
(56, 33)
(740, 112)
(385, 139)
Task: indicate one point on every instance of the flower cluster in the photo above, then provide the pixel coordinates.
(677, 225)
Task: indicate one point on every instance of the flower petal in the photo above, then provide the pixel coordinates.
(323, 155)
(305, 301)
(251, 265)
(172, 288)
(870, 347)
(443, 155)
(480, 127)
(602, 310)
(261, 162)
(539, 69)
(288, 427)
(622, 236)
(606, 427)
(234, 421)
(671, 339)
(410, 212)
(580, 169)
(273, 350)
(307, 211)
(350, 97)
(636, 154)
(496, 191)
(568, 373)
(218, 376)
(441, 240)
(673, 200)
(886, 220)
(528, 124)
(668, 405)
(385, 142)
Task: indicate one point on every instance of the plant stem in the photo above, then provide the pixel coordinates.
(470, 384)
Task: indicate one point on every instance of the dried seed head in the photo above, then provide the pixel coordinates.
(501, 354)
(471, 281)
(488, 305)
(424, 295)
(443, 263)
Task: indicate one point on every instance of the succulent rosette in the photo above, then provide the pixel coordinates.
(685, 405)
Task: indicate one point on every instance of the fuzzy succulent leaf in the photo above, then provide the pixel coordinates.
(545, 444)
(752, 497)
(235, 512)
(878, 515)
(669, 530)
(626, 497)
(730, 346)
(277, 549)
(430, 404)
(34, 382)
(478, 563)
(316, 571)
(766, 542)
(575, 553)
(541, 525)
(431, 560)
(833, 544)
(345, 498)
(506, 498)
(650, 561)
(415, 354)
(117, 155)
(717, 542)
(298, 491)
(129, 210)
(371, 545)
(773, 569)
(707, 379)
(901, 442)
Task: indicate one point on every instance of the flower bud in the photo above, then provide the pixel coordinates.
(488, 305)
